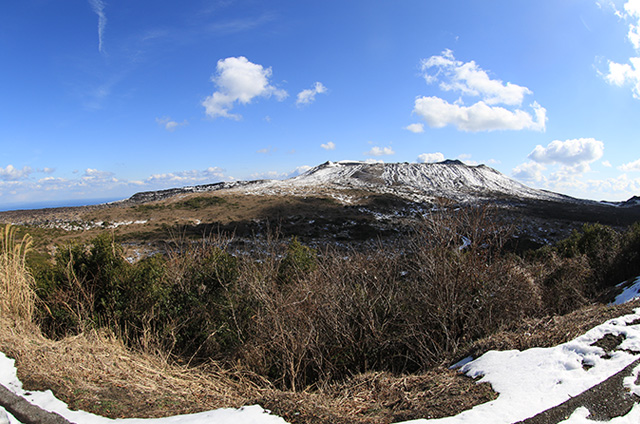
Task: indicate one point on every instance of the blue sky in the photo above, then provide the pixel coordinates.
(102, 99)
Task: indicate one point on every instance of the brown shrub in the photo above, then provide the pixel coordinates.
(566, 283)
(396, 310)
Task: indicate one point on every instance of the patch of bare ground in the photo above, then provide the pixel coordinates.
(550, 331)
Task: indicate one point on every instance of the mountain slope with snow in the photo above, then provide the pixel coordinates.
(417, 182)
(451, 179)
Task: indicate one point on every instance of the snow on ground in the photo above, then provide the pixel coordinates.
(629, 293)
(534, 380)
(528, 382)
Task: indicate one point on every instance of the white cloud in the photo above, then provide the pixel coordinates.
(466, 159)
(628, 73)
(571, 160)
(620, 184)
(623, 73)
(329, 146)
(94, 183)
(606, 163)
(415, 128)
(181, 178)
(308, 96)
(573, 153)
(97, 176)
(480, 116)
(266, 150)
(275, 175)
(10, 173)
(529, 172)
(632, 7)
(268, 175)
(471, 80)
(430, 157)
(617, 188)
(468, 79)
(98, 8)
(631, 166)
(300, 170)
(380, 151)
(169, 124)
(238, 81)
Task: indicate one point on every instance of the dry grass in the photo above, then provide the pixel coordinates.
(96, 373)
(16, 292)
(377, 398)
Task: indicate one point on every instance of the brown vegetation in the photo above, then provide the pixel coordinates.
(317, 336)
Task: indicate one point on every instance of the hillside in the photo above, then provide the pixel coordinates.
(336, 202)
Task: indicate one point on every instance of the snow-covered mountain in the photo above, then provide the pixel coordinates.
(420, 182)
(450, 179)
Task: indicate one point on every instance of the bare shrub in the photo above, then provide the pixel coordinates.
(461, 286)
(397, 310)
(327, 324)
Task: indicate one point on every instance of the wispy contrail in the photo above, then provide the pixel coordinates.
(98, 7)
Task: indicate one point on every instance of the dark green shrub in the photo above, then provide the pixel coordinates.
(180, 305)
(628, 261)
(86, 285)
(299, 260)
(601, 246)
(197, 315)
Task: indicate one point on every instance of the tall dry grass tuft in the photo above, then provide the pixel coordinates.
(17, 298)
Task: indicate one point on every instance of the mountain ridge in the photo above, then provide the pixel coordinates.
(421, 182)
